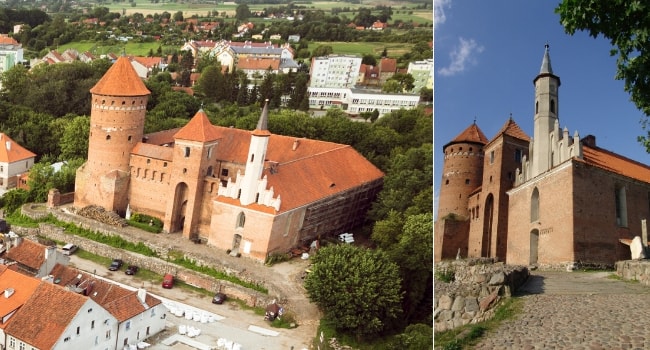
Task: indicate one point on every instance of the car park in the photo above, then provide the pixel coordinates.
(219, 298)
(131, 270)
(69, 248)
(116, 264)
(168, 281)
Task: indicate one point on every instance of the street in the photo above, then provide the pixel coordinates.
(218, 324)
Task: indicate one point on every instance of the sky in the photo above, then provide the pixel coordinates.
(486, 55)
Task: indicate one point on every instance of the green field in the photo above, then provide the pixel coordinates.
(135, 49)
(361, 48)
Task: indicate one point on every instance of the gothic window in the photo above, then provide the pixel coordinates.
(536, 107)
(552, 106)
(252, 157)
(621, 206)
(518, 154)
(534, 206)
(187, 152)
(241, 219)
(491, 157)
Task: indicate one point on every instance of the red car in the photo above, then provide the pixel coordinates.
(168, 281)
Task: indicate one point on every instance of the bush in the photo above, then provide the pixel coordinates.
(146, 222)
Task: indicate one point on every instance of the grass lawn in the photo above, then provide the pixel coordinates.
(135, 49)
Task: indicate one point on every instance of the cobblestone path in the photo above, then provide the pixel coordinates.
(576, 310)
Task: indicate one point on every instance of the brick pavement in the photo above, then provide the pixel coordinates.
(576, 310)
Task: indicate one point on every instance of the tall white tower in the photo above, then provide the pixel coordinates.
(546, 116)
(256, 156)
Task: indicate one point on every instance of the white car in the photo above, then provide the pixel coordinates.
(69, 248)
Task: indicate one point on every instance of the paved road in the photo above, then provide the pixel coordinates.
(231, 322)
(576, 310)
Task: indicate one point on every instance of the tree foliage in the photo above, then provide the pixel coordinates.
(626, 24)
(357, 289)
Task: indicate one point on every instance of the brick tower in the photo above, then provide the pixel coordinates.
(194, 152)
(462, 171)
(118, 108)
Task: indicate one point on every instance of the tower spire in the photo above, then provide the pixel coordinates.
(546, 62)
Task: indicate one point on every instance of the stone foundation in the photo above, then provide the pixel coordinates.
(477, 287)
(635, 270)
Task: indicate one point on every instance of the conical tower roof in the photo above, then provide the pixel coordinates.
(120, 80)
(511, 128)
(472, 134)
(199, 128)
(262, 124)
(546, 62)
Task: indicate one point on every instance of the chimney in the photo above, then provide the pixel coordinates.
(142, 295)
(8, 144)
(50, 252)
(9, 292)
(296, 142)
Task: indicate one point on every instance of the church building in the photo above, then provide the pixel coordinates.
(253, 193)
(554, 199)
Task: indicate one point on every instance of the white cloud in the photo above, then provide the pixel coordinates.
(462, 56)
(439, 11)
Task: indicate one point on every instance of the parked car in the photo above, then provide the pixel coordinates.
(116, 265)
(168, 281)
(219, 298)
(131, 270)
(69, 248)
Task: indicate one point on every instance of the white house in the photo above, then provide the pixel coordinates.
(11, 52)
(334, 71)
(422, 72)
(15, 160)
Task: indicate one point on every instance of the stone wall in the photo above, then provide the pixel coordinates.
(635, 270)
(157, 265)
(477, 286)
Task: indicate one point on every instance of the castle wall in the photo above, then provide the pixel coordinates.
(450, 236)
(554, 228)
(254, 233)
(597, 231)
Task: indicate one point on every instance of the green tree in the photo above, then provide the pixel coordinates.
(209, 82)
(322, 50)
(358, 289)
(405, 81)
(74, 142)
(40, 181)
(626, 25)
(242, 12)
(391, 86)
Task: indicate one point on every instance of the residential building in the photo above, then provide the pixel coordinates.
(249, 193)
(334, 71)
(11, 53)
(554, 199)
(32, 258)
(422, 72)
(15, 161)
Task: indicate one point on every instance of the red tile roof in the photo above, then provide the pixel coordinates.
(23, 288)
(511, 128)
(199, 128)
(5, 39)
(45, 316)
(120, 80)
(11, 152)
(119, 302)
(28, 253)
(148, 62)
(472, 134)
(615, 163)
(388, 65)
(314, 170)
(258, 63)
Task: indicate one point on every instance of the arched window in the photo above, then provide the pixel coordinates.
(241, 219)
(534, 206)
(552, 106)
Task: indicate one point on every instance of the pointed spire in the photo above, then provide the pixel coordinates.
(546, 62)
(264, 118)
(262, 123)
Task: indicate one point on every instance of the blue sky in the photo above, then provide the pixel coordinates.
(486, 55)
